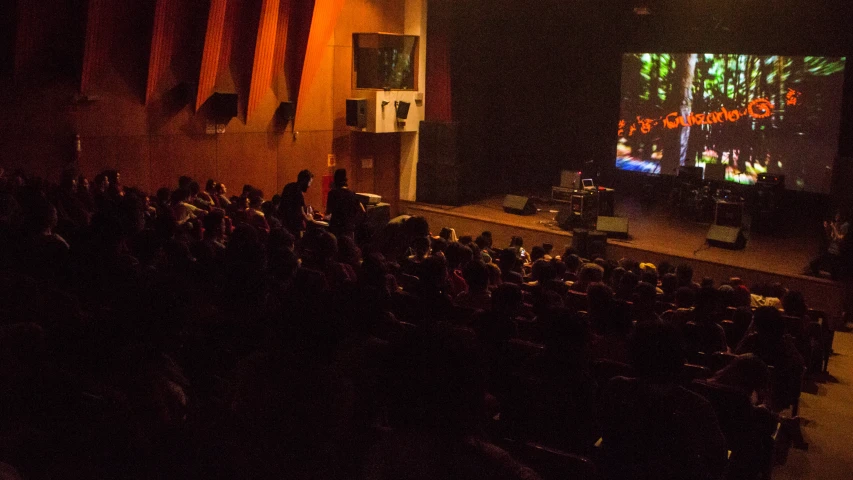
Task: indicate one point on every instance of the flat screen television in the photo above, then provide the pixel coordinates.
(733, 115)
(385, 61)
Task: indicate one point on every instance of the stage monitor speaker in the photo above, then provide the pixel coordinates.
(564, 218)
(519, 205)
(726, 237)
(613, 226)
(356, 115)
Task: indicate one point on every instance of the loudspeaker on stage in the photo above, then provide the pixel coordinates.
(726, 237)
(613, 226)
(519, 205)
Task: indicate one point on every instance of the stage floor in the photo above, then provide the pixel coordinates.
(656, 230)
(655, 235)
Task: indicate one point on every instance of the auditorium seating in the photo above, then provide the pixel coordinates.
(247, 333)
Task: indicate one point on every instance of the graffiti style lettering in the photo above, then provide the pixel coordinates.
(646, 124)
(757, 109)
(669, 121)
(733, 116)
(792, 97)
(760, 108)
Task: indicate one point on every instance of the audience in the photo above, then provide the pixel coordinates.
(190, 334)
(652, 427)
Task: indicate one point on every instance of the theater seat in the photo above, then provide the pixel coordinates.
(750, 431)
(550, 463)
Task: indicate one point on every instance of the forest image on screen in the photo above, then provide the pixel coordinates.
(736, 116)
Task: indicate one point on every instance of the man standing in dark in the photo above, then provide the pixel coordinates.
(343, 209)
(832, 260)
(292, 210)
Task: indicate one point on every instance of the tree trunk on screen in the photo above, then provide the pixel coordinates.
(736, 101)
(654, 82)
(697, 134)
(780, 68)
(747, 123)
(680, 100)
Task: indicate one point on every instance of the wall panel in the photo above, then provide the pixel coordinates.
(308, 151)
(127, 154)
(176, 155)
(316, 108)
(247, 158)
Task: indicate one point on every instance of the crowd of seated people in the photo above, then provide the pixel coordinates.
(190, 334)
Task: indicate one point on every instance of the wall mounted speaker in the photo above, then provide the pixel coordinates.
(286, 111)
(357, 112)
(403, 110)
(223, 106)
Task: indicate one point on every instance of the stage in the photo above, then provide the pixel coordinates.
(655, 235)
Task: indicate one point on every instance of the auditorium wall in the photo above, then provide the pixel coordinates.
(103, 48)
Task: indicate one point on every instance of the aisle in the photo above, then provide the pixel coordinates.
(828, 423)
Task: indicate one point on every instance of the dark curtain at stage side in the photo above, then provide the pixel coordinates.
(438, 92)
(536, 83)
(535, 90)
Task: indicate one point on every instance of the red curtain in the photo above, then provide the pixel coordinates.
(438, 87)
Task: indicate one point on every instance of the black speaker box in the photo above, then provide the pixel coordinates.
(726, 237)
(564, 218)
(403, 110)
(519, 205)
(613, 226)
(437, 143)
(596, 244)
(691, 174)
(441, 184)
(223, 106)
(286, 111)
(356, 112)
(580, 236)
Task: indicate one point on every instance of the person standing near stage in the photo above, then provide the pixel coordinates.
(292, 211)
(831, 259)
(343, 209)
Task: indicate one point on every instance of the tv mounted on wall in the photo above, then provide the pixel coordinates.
(385, 61)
